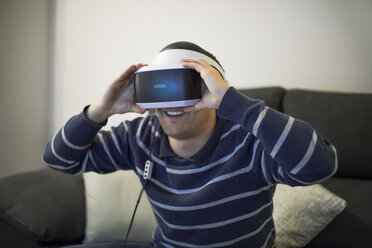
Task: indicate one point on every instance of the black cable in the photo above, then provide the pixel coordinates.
(134, 213)
(141, 192)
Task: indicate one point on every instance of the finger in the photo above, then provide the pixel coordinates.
(126, 74)
(139, 110)
(193, 65)
(196, 60)
(138, 66)
(131, 75)
(129, 72)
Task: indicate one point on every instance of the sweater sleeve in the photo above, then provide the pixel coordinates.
(293, 152)
(80, 146)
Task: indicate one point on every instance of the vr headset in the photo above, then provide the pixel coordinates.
(165, 83)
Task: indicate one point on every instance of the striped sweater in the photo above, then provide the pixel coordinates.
(222, 196)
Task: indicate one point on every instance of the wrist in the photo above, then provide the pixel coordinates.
(221, 94)
(223, 91)
(96, 115)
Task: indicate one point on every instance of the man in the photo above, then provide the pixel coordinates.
(216, 163)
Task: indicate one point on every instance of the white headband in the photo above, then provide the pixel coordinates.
(170, 59)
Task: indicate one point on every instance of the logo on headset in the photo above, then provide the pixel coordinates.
(160, 86)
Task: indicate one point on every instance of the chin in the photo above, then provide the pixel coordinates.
(175, 134)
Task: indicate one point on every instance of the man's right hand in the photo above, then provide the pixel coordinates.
(118, 98)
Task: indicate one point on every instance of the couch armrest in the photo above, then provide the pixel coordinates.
(41, 207)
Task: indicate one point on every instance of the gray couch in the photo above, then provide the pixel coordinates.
(45, 208)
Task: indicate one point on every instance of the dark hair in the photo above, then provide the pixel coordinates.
(190, 46)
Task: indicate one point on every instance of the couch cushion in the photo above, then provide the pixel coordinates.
(345, 119)
(272, 96)
(110, 201)
(352, 227)
(46, 204)
(360, 204)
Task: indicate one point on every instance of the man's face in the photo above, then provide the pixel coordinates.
(180, 125)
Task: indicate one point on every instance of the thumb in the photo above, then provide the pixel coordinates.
(197, 106)
(137, 109)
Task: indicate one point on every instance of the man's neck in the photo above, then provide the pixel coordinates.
(186, 148)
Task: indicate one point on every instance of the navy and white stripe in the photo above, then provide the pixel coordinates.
(226, 201)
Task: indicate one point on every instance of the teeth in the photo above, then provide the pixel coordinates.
(174, 113)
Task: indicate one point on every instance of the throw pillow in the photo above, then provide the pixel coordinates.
(110, 201)
(300, 213)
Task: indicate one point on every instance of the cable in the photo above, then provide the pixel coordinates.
(147, 173)
(134, 213)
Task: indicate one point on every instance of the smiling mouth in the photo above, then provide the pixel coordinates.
(174, 113)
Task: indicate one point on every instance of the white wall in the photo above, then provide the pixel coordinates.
(24, 52)
(319, 44)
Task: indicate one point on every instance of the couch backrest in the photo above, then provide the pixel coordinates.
(345, 119)
(272, 96)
